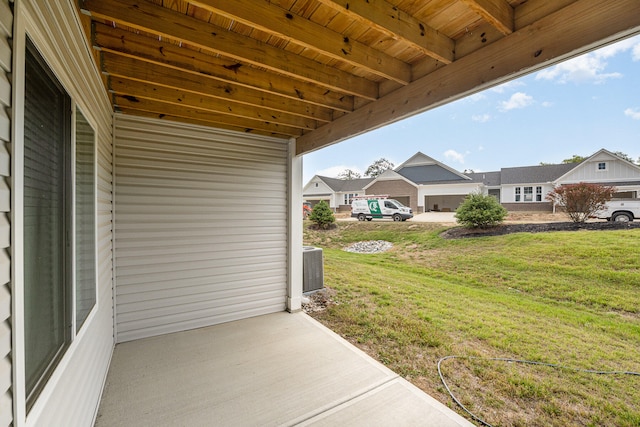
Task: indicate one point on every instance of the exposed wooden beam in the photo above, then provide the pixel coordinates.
(268, 17)
(498, 13)
(153, 50)
(543, 43)
(167, 117)
(123, 66)
(158, 107)
(150, 18)
(136, 90)
(388, 19)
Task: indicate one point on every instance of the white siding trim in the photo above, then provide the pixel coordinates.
(71, 395)
(201, 233)
(294, 279)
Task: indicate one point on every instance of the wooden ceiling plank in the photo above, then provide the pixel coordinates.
(135, 45)
(147, 17)
(136, 89)
(159, 107)
(123, 66)
(162, 116)
(498, 13)
(272, 19)
(541, 44)
(388, 19)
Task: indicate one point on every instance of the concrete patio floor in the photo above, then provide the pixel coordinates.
(276, 370)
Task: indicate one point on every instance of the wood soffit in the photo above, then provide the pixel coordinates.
(322, 71)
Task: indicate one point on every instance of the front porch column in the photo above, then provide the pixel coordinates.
(294, 276)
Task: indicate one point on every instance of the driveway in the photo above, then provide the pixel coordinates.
(440, 217)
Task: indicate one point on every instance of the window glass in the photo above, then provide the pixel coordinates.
(538, 194)
(518, 189)
(47, 214)
(528, 194)
(602, 166)
(85, 282)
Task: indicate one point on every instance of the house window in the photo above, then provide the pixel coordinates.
(316, 185)
(54, 189)
(538, 194)
(348, 198)
(602, 166)
(518, 194)
(528, 194)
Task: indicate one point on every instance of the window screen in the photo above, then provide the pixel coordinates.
(47, 216)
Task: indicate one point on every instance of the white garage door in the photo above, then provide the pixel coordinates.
(201, 226)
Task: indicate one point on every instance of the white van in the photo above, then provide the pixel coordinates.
(369, 208)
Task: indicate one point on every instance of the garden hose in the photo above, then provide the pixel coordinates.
(527, 362)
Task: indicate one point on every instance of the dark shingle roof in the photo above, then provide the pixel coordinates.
(345, 185)
(426, 174)
(535, 174)
(487, 178)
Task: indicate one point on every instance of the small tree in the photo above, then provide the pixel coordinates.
(349, 174)
(582, 200)
(378, 167)
(322, 215)
(480, 211)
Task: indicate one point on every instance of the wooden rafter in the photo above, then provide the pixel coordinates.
(157, 51)
(532, 47)
(145, 16)
(322, 71)
(392, 21)
(497, 13)
(277, 21)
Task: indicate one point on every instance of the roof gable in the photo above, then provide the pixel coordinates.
(617, 169)
(430, 173)
(345, 185)
(422, 169)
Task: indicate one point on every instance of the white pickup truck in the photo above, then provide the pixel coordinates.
(621, 210)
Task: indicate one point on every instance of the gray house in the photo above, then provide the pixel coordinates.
(338, 193)
(428, 185)
(150, 193)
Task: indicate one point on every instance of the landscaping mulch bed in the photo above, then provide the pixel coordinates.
(461, 232)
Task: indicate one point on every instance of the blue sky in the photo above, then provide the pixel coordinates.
(576, 107)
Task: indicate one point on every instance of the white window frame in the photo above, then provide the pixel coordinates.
(604, 167)
(24, 26)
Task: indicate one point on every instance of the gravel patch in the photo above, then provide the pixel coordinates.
(369, 247)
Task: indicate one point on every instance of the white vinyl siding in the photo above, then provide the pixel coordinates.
(201, 226)
(72, 394)
(6, 34)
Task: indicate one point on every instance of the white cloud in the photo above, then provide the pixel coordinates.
(507, 86)
(588, 68)
(547, 104)
(333, 171)
(476, 97)
(634, 114)
(591, 68)
(481, 118)
(480, 148)
(517, 100)
(454, 156)
(635, 52)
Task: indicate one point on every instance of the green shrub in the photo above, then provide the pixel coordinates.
(480, 211)
(322, 215)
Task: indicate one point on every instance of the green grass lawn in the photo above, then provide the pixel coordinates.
(569, 298)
